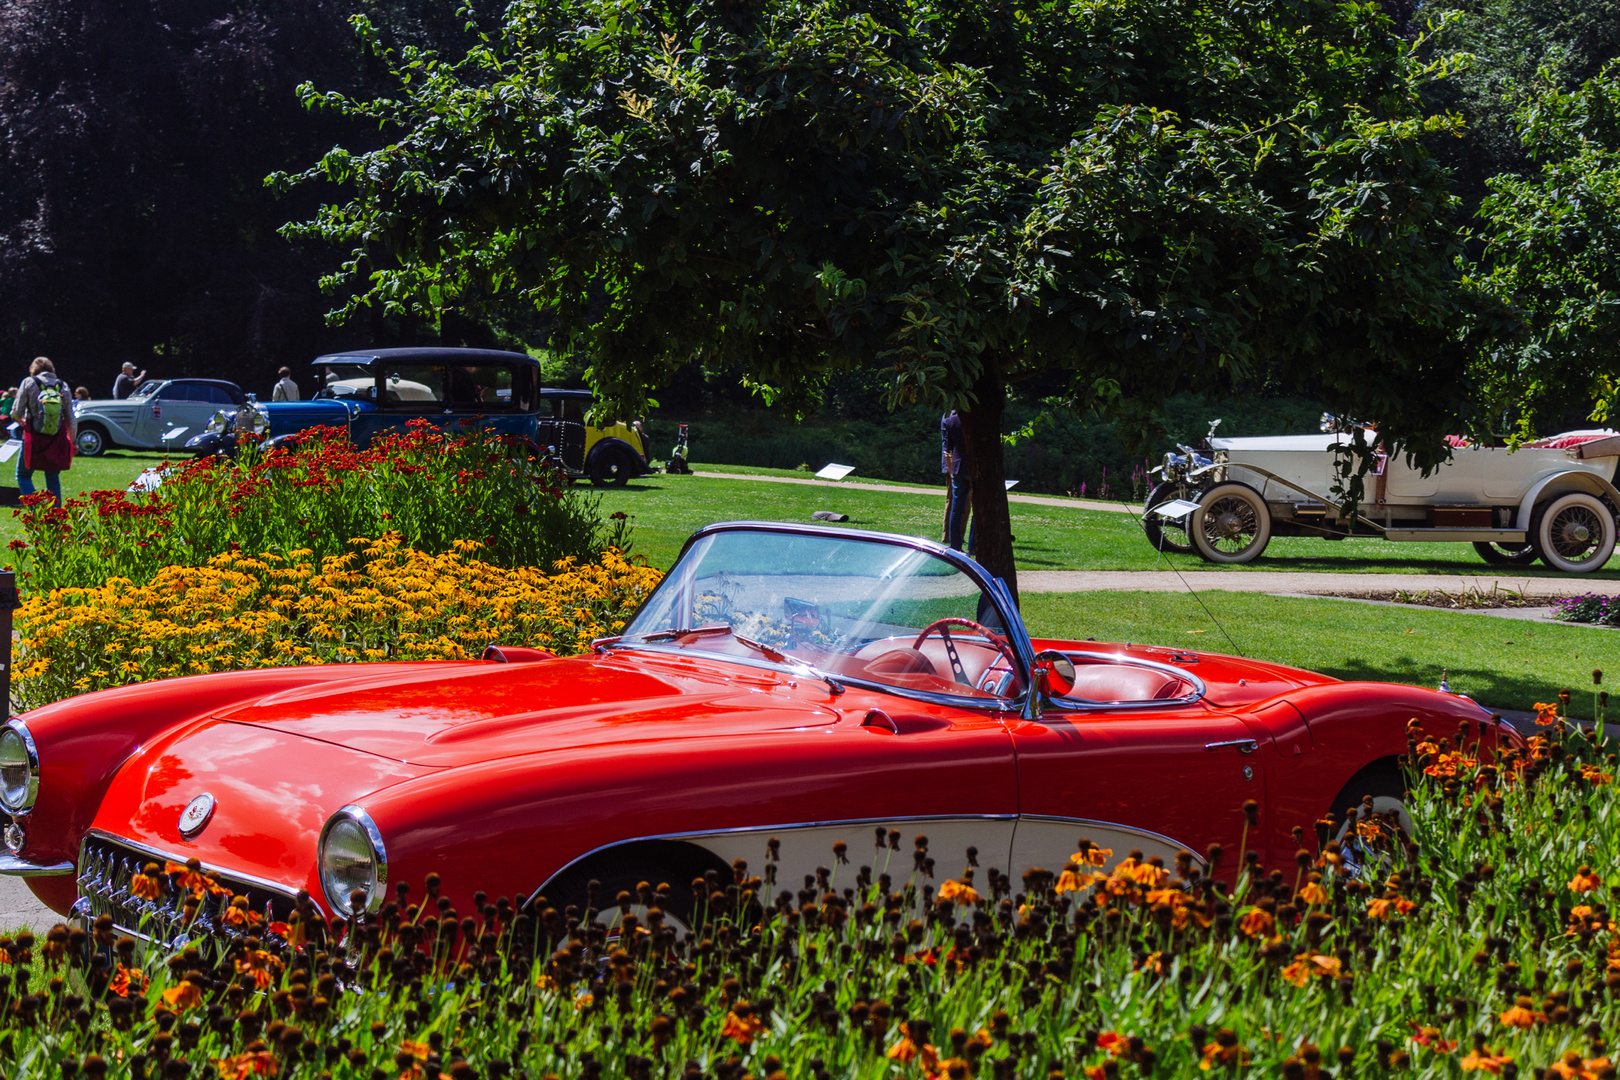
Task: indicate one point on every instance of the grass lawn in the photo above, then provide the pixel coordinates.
(667, 508)
(1501, 663)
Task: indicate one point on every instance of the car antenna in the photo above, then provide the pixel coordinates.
(1190, 590)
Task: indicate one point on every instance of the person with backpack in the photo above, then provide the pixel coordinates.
(44, 409)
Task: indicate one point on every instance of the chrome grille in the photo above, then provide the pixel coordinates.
(107, 869)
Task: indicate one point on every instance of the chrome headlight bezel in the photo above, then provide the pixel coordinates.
(377, 890)
(30, 787)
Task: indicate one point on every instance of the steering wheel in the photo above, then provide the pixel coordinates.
(958, 672)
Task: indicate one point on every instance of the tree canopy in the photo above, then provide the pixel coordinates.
(1553, 253)
(1131, 197)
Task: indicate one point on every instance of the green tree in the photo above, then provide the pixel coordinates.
(1553, 253)
(1136, 195)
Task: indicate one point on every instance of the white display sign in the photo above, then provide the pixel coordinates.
(836, 472)
(9, 450)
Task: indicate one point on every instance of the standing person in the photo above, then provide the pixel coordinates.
(7, 400)
(127, 381)
(286, 389)
(954, 450)
(45, 411)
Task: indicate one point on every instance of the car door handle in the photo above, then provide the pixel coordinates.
(1244, 746)
(877, 718)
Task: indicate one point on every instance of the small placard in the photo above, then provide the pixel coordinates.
(1174, 510)
(10, 449)
(836, 472)
(1009, 484)
(174, 433)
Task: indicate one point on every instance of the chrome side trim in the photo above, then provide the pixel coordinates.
(290, 892)
(33, 769)
(1168, 841)
(379, 887)
(743, 829)
(1199, 688)
(15, 867)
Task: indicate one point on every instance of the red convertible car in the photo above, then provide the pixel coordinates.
(805, 685)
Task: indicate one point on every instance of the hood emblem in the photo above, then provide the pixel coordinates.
(196, 814)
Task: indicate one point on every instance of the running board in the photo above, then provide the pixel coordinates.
(1488, 536)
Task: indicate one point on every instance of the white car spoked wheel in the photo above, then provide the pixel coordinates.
(91, 441)
(1575, 533)
(1362, 855)
(1231, 525)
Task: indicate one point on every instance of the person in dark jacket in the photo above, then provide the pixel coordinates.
(127, 382)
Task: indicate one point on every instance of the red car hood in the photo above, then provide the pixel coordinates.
(459, 714)
(272, 793)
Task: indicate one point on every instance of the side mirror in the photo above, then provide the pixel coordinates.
(1054, 673)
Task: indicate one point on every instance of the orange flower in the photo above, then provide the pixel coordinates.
(1224, 1051)
(1145, 874)
(126, 981)
(1584, 880)
(1521, 1015)
(1546, 713)
(902, 1051)
(1314, 894)
(960, 891)
(186, 995)
(1572, 1067)
(238, 916)
(741, 1024)
(1114, 1043)
(1092, 855)
(1594, 775)
(253, 1063)
(1096, 1072)
(192, 878)
(1431, 1037)
(147, 884)
(263, 966)
(1257, 922)
(1307, 965)
(1070, 880)
(1484, 1061)
(1380, 909)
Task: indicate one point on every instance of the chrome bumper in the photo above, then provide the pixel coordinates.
(12, 865)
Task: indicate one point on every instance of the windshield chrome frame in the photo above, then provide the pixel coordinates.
(992, 586)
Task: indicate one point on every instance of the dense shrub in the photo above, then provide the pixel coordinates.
(1483, 941)
(378, 601)
(433, 491)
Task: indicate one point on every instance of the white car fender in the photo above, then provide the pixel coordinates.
(1559, 483)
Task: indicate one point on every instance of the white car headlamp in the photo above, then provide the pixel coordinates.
(352, 859)
(19, 768)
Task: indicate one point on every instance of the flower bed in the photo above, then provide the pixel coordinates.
(379, 601)
(1483, 942)
(431, 490)
(1588, 608)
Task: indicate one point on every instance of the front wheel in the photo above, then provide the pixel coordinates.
(1378, 796)
(92, 441)
(1231, 525)
(1575, 532)
(614, 880)
(1507, 554)
(1163, 534)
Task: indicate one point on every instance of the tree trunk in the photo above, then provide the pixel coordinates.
(981, 431)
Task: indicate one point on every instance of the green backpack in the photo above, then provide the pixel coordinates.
(51, 403)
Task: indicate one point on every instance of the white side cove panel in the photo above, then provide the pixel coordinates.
(807, 848)
(1049, 842)
(1011, 845)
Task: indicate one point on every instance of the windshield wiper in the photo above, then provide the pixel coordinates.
(676, 635)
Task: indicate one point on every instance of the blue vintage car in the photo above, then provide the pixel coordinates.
(372, 391)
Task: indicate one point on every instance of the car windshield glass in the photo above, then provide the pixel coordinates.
(147, 388)
(884, 613)
(413, 384)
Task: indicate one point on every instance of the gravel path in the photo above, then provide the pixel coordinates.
(935, 492)
(1303, 583)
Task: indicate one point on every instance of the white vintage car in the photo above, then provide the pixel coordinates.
(1554, 499)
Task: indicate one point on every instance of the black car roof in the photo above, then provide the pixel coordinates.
(430, 355)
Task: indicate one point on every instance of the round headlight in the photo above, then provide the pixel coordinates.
(19, 768)
(352, 859)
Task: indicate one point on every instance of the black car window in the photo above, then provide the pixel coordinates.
(487, 386)
(174, 392)
(571, 409)
(220, 396)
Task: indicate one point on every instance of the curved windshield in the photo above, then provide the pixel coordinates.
(859, 609)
